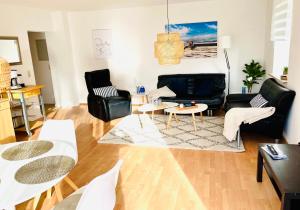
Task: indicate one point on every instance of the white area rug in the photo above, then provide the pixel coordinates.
(180, 135)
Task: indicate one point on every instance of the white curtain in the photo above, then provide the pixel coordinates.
(281, 21)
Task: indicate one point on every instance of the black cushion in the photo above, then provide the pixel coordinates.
(204, 87)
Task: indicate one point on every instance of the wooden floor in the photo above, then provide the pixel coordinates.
(170, 179)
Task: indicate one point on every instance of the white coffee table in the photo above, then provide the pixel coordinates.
(152, 107)
(199, 108)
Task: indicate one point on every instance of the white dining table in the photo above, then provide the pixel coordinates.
(13, 192)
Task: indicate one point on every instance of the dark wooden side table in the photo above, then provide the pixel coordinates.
(284, 174)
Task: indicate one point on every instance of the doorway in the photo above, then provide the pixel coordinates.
(41, 65)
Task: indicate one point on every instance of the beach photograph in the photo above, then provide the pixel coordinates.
(200, 39)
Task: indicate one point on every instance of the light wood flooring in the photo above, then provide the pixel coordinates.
(169, 179)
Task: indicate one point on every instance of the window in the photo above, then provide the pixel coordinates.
(281, 34)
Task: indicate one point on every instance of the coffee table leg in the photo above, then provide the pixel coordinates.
(259, 167)
(152, 115)
(141, 123)
(176, 117)
(201, 116)
(169, 120)
(194, 121)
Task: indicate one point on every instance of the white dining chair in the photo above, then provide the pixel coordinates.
(99, 194)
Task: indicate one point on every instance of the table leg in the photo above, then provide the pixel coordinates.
(260, 162)
(201, 117)
(71, 183)
(42, 106)
(36, 202)
(194, 121)
(175, 116)
(58, 192)
(25, 115)
(169, 120)
(140, 120)
(49, 193)
(285, 202)
(152, 115)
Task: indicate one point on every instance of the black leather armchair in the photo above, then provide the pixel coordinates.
(109, 108)
(278, 96)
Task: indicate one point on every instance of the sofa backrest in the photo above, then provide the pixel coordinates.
(97, 79)
(193, 85)
(277, 95)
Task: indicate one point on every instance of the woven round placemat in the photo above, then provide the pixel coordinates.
(44, 169)
(27, 150)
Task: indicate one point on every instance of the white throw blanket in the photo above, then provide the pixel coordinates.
(236, 116)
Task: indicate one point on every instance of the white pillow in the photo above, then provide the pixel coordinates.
(161, 92)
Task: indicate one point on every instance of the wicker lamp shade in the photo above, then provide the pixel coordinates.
(4, 75)
(169, 48)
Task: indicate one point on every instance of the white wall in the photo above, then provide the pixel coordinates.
(17, 21)
(293, 131)
(135, 29)
(61, 61)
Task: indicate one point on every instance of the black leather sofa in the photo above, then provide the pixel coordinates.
(278, 96)
(201, 88)
(109, 108)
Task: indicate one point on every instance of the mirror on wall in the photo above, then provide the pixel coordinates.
(10, 50)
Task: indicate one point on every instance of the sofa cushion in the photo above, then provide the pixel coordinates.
(204, 87)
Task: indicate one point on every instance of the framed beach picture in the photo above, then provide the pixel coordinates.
(200, 39)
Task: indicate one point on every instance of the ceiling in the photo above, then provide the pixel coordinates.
(88, 4)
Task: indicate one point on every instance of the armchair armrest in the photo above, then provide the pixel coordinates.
(124, 93)
(95, 99)
(97, 106)
(245, 98)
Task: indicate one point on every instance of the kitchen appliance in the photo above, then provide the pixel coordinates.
(14, 80)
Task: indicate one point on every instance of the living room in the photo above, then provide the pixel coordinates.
(170, 140)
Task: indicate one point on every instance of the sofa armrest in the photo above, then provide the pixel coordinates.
(124, 93)
(244, 98)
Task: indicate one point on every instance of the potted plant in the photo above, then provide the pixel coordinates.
(254, 72)
(285, 70)
(285, 74)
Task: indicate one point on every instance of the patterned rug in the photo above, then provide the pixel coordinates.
(141, 130)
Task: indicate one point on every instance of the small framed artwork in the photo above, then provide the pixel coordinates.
(102, 43)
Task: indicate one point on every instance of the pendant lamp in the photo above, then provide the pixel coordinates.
(169, 48)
